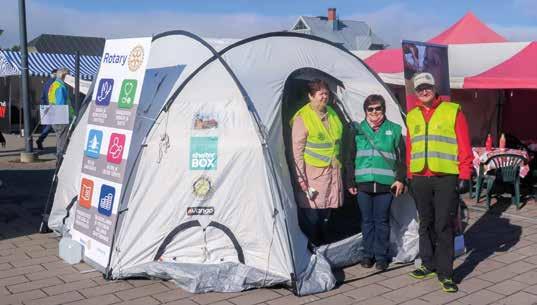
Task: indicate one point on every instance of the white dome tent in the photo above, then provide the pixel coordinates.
(233, 225)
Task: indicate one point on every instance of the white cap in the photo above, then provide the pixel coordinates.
(423, 78)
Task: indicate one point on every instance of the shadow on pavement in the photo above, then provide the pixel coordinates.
(488, 235)
(22, 198)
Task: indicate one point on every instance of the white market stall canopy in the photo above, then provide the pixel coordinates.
(40, 64)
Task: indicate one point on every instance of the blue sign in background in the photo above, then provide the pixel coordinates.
(104, 92)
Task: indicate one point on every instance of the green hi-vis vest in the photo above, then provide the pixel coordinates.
(322, 145)
(434, 144)
(370, 165)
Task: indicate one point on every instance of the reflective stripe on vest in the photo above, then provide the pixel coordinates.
(322, 144)
(370, 163)
(434, 144)
(374, 171)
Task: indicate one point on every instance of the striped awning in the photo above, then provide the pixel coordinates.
(40, 64)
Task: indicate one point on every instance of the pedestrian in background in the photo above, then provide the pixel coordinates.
(44, 101)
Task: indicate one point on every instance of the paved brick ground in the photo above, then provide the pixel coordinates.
(499, 268)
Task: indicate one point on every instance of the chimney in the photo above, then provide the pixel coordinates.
(332, 18)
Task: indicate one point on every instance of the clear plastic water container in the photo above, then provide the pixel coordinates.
(70, 250)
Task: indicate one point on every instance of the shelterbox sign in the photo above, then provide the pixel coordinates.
(112, 115)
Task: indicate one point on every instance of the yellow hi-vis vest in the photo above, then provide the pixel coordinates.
(434, 144)
(322, 145)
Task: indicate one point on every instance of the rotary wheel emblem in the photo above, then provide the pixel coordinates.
(136, 58)
(202, 187)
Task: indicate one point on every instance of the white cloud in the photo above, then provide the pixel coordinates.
(55, 20)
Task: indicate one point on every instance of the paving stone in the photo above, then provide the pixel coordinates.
(338, 299)
(259, 296)
(207, 298)
(480, 297)
(528, 251)
(413, 291)
(367, 292)
(34, 285)
(10, 258)
(140, 301)
(520, 298)
(100, 300)
(142, 282)
(42, 252)
(7, 245)
(376, 301)
(473, 284)
(5, 266)
(528, 277)
(509, 257)
(189, 302)
(398, 281)
(35, 261)
(508, 287)
(77, 276)
(497, 276)
(415, 302)
(364, 281)
(12, 251)
(57, 299)
(489, 265)
(21, 270)
(440, 297)
(22, 297)
(57, 264)
(63, 288)
(338, 290)
(139, 292)
(172, 295)
(293, 300)
(13, 280)
(105, 289)
(49, 273)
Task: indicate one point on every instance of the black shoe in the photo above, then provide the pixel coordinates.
(39, 144)
(448, 285)
(381, 265)
(366, 262)
(422, 273)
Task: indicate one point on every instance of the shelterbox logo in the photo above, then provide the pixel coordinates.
(203, 153)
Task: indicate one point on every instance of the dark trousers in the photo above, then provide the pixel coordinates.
(375, 209)
(436, 200)
(314, 224)
(44, 133)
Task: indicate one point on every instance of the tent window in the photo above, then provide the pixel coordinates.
(300, 26)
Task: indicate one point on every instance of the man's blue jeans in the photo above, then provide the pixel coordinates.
(375, 209)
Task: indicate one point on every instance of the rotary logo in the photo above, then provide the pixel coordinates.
(202, 187)
(136, 58)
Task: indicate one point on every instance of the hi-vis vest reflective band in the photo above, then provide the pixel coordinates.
(322, 145)
(434, 144)
(370, 165)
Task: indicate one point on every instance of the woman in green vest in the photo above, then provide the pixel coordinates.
(316, 137)
(376, 171)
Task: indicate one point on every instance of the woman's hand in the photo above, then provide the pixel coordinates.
(398, 188)
(353, 190)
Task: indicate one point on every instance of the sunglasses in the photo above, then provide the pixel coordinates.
(424, 88)
(371, 109)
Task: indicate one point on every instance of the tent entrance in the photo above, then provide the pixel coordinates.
(344, 221)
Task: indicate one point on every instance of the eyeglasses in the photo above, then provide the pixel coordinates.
(371, 109)
(424, 88)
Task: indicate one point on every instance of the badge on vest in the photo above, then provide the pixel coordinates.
(417, 129)
(389, 132)
(321, 136)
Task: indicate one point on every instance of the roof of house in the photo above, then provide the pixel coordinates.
(64, 44)
(353, 35)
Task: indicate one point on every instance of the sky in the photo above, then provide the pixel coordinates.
(393, 21)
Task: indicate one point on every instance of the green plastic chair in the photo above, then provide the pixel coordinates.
(506, 170)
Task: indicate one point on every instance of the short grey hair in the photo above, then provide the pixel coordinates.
(62, 72)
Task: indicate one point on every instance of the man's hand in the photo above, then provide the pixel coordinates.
(353, 190)
(304, 186)
(397, 188)
(463, 186)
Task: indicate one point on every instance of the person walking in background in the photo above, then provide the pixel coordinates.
(44, 101)
(58, 94)
(439, 159)
(376, 172)
(316, 136)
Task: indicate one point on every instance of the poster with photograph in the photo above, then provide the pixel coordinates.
(425, 57)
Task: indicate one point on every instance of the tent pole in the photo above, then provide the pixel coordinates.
(24, 75)
(501, 96)
(9, 104)
(77, 83)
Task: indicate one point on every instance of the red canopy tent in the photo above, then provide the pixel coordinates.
(498, 97)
